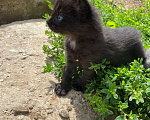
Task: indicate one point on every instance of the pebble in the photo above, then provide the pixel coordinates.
(31, 106)
(71, 101)
(1, 80)
(83, 100)
(49, 111)
(64, 113)
(69, 108)
(20, 110)
(12, 50)
(53, 97)
(0, 63)
(24, 57)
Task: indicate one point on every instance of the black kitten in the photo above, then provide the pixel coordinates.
(87, 41)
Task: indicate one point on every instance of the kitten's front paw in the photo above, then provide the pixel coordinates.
(60, 90)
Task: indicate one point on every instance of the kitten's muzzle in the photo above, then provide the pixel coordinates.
(49, 22)
(52, 22)
(51, 25)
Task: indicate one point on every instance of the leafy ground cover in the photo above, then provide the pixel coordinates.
(123, 90)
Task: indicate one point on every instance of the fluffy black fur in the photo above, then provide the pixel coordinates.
(87, 41)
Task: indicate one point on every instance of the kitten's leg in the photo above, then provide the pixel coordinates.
(79, 85)
(63, 88)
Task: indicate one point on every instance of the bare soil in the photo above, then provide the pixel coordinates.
(25, 92)
(129, 3)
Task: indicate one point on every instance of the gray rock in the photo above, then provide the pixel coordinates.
(64, 113)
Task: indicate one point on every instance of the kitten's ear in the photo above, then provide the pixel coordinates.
(76, 2)
(83, 8)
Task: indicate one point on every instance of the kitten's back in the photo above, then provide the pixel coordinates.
(122, 38)
(123, 45)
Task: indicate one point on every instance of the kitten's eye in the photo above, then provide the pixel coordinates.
(59, 18)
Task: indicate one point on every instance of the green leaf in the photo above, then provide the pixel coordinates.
(133, 116)
(123, 83)
(48, 65)
(131, 97)
(120, 117)
(141, 100)
(148, 90)
(108, 96)
(111, 24)
(103, 61)
(125, 105)
(115, 96)
(103, 66)
(97, 118)
(104, 91)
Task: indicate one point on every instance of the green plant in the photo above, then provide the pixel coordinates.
(50, 5)
(56, 53)
(124, 90)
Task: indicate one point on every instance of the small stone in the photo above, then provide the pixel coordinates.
(1, 80)
(21, 110)
(31, 103)
(50, 106)
(32, 89)
(0, 63)
(31, 106)
(69, 108)
(49, 111)
(83, 100)
(12, 50)
(7, 111)
(71, 101)
(20, 117)
(43, 114)
(40, 95)
(64, 113)
(24, 57)
(49, 93)
(53, 98)
(8, 57)
(24, 54)
(40, 105)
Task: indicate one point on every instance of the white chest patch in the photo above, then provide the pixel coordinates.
(73, 44)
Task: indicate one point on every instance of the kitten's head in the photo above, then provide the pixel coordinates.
(69, 15)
